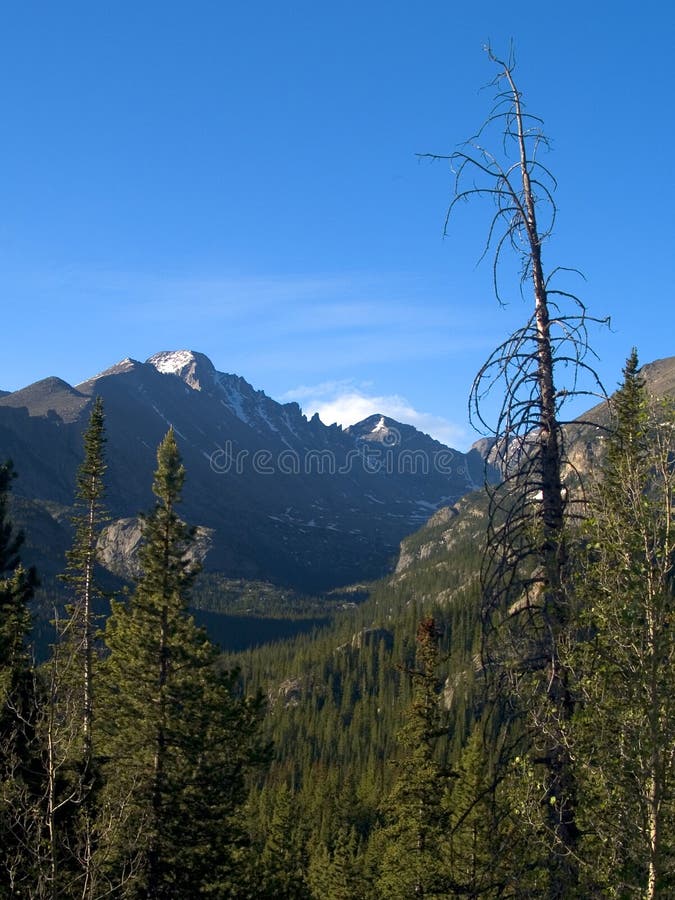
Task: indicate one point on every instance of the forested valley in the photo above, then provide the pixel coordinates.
(494, 720)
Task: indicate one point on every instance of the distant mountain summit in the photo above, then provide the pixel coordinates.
(282, 498)
(195, 369)
(377, 428)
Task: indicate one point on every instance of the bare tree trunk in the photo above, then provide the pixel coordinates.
(559, 799)
(525, 602)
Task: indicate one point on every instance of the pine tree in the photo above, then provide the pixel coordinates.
(624, 732)
(282, 857)
(79, 628)
(334, 873)
(67, 726)
(479, 837)
(628, 443)
(177, 741)
(20, 772)
(417, 821)
(17, 586)
(319, 873)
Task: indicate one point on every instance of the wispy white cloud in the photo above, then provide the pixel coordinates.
(294, 302)
(324, 389)
(302, 321)
(346, 403)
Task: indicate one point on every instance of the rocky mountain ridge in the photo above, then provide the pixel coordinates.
(466, 519)
(282, 497)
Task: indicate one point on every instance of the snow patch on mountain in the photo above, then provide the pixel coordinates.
(195, 369)
(234, 398)
(266, 419)
(288, 423)
(257, 410)
(170, 424)
(171, 362)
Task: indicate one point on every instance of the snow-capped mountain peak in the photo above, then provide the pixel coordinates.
(378, 429)
(195, 369)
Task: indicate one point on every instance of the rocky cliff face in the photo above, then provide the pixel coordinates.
(444, 530)
(121, 540)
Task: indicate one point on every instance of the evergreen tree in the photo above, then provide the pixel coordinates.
(67, 727)
(319, 873)
(176, 739)
(334, 873)
(624, 732)
(484, 856)
(282, 857)
(415, 834)
(78, 630)
(21, 781)
(17, 586)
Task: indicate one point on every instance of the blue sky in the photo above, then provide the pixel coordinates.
(241, 179)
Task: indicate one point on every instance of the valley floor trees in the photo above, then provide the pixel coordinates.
(413, 841)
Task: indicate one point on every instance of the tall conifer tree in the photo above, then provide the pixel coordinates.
(624, 732)
(177, 741)
(67, 727)
(79, 627)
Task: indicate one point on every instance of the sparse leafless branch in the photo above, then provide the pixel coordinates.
(525, 604)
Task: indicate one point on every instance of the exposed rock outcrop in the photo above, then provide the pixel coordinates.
(120, 542)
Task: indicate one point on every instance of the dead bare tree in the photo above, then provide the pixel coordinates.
(525, 600)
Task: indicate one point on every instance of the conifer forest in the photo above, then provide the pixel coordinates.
(494, 719)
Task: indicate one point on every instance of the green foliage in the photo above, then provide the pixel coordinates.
(260, 599)
(283, 859)
(66, 726)
(17, 586)
(74, 656)
(414, 836)
(20, 700)
(483, 853)
(334, 869)
(624, 732)
(338, 699)
(177, 742)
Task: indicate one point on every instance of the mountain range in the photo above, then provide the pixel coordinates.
(276, 496)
